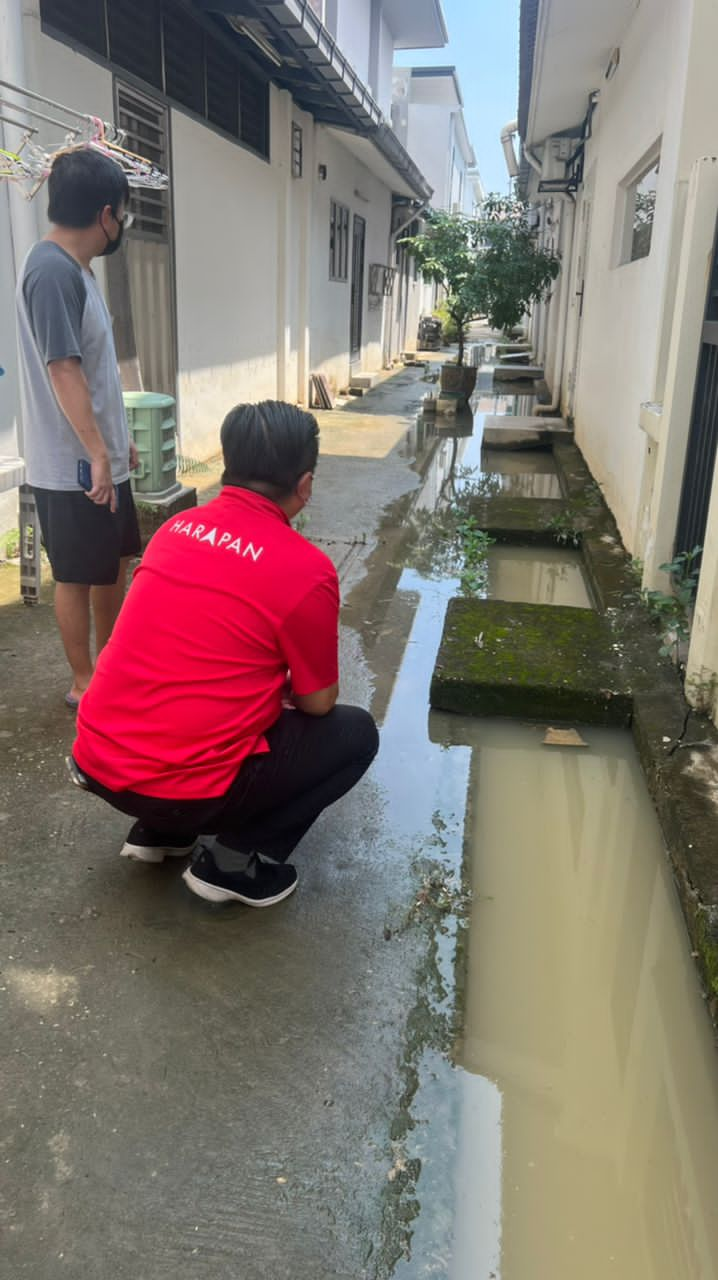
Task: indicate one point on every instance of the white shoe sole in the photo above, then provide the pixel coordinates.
(215, 893)
(145, 853)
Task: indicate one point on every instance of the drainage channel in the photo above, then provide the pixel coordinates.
(559, 1115)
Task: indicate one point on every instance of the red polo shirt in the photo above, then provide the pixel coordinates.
(227, 599)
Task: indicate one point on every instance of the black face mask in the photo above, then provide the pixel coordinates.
(112, 245)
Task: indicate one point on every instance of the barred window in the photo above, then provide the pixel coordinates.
(338, 241)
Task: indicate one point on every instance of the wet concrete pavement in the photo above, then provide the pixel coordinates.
(193, 1092)
(225, 1094)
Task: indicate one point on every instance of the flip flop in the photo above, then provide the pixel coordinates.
(71, 701)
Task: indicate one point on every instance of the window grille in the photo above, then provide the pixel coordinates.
(253, 111)
(183, 44)
(78, 20)
(297, 151)
(134, 36)
(222, 87)
(145, 123)
(338, 241)
(159, 41)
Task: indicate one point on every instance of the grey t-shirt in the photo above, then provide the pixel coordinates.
(61, 313)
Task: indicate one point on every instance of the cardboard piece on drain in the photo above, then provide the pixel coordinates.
(563, 738)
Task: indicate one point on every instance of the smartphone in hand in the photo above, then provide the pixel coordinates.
(84, 476)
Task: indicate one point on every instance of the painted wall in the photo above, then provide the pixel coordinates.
(427, 140)
(225, 208)
(383, 77)
(622, 303)
(350, 184)
(353, 33)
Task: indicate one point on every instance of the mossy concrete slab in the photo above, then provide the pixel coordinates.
(524, 521)
(529, 660)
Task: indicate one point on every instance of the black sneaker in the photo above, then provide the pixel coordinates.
(145, 845)
(261, 884)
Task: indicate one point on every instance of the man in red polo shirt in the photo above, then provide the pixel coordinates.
(213, 706)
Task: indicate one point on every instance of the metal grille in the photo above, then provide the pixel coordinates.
(144, 122)
(149, 245)
(134, 31)
(160, 42)
(700, 455)
(79, 20)
(253, 111)
(183, 42)
(222, 87)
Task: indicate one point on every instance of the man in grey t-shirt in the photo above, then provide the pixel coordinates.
(73, 413)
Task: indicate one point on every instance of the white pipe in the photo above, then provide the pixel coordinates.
(560, 359)
(532, 159)
(507, 142)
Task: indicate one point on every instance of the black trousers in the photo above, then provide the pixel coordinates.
(275, 798)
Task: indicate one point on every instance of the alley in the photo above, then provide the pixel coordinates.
(377, 1078)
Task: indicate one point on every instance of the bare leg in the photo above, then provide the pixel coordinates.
(106, 604)
(72, 610)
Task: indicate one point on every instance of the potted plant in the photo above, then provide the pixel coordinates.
(489, 266)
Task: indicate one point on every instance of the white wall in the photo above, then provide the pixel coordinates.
(351, 184)
(382, 88)
(428, 138)
(226, 229)
(622, 303)
(353, 33)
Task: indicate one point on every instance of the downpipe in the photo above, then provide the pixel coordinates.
(560, 360)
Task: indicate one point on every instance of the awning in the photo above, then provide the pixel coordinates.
(303, 58)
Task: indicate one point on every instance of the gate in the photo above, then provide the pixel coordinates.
(703, 435)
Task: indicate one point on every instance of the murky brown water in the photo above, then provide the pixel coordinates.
(591, 1139)
(575, 1134)
(538, 576)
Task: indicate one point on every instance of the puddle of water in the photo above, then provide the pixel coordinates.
(573, 1130)
(596, 1084)
(538, 577)
(487, 400)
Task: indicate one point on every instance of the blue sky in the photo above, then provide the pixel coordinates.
(483, 46)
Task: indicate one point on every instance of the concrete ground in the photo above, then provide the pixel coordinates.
(195, 1092)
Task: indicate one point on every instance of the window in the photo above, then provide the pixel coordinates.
(146, 128)
(297, 151)
(338, 241)
(162, 43)
(254, 112)
(638, 211)
(183, 42)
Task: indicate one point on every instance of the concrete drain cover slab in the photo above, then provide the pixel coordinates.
(534, 661)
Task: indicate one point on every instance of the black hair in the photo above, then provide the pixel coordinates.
(268, 446)
(80, 184)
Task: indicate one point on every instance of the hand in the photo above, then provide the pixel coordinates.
(103, 490)
(134, 456)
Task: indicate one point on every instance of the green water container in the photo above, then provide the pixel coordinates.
(153, 427)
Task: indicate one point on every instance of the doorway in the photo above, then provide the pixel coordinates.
(357, 288)
(150, 248)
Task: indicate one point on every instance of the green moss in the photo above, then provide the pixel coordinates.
(540, 661)
(708, 948)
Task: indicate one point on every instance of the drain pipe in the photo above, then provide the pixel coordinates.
(560, 359)
(507, 142)
(532, 159)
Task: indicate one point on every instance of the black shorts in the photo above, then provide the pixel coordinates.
(85, 542)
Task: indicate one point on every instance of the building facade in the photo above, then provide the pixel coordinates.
(619, 157)
(272, 254)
